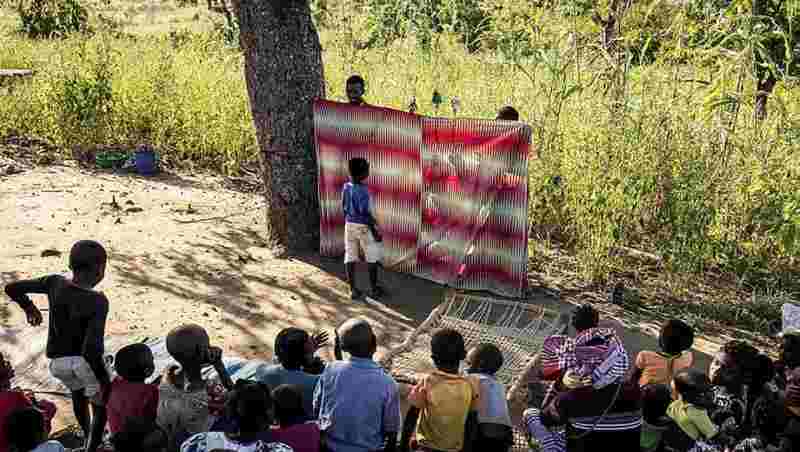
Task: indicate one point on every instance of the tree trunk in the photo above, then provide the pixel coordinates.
(283, 70)
(610, 24)
(765, 88)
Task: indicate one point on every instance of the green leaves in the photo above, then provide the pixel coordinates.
(51, 18)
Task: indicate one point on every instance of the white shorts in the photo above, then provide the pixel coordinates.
(358, 241)
(76, 374)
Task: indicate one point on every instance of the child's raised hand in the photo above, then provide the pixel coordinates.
(320, 339)
(337, 347)
(214, 355)
(34, 316)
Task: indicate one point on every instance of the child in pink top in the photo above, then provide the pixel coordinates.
(130, 396)
(12, 400)
(294, 429)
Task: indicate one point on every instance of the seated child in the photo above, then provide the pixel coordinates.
(789, 439)
(655, 401)
(14, 399)
(356, 401)
(595, 357)
(188, 404)
(140, 435)
(675, 340)
(130, 396)
(495, 430)
(25, 430)
(689, 410)
(294, 349)
(589, 402)
(293, 430)
(789, 354)
(444, 400)
(768, 421)
(250, 406)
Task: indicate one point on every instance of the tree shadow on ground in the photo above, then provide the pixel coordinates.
(409, 295)
(200, 180)
(220, 272)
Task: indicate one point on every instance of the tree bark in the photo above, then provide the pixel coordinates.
(610, 25)
(284, 75)
(765, 88)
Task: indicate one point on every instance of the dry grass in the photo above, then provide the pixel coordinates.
(721, 228)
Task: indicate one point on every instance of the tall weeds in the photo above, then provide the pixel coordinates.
(629, 155)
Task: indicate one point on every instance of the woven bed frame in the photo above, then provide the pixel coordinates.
(517, 328)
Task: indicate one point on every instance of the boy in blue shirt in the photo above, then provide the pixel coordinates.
(356, 401)
(361, 234)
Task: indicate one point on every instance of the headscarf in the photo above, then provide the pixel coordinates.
(594, 357)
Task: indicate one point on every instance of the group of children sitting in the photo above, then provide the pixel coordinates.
(596, 395)
(299, 404)
(746, 402)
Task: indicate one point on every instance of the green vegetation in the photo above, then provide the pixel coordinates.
(50, 18)
(653, 144)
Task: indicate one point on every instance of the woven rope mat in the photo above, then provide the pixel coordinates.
(517, 328)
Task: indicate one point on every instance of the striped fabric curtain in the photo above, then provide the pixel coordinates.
(451, 195)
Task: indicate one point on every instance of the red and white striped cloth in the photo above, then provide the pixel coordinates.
(451, 195)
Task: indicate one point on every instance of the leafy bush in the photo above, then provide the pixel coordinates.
(705, 9)
(393, 19)
(52, 18)
(573, 8)
(653, 175)
(85, 99)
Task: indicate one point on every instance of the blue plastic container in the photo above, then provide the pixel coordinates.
(146, 162)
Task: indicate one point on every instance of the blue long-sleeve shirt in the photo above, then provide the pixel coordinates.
(356, 204)
(357, 404)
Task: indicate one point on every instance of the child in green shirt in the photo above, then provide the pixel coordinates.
(691, 391)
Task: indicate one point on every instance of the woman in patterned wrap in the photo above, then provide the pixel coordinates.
(591, 401)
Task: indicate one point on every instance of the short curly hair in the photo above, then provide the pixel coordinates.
(676, 337)
(585, 317)
(694, 387)
(87, 255)
(249, 403)
(790, 351)
(355, 79)
(290, 347)
(134, 362)
(508, 113)
(359, 168)
(25, 428)
(655, 401)
(746, 358)
(489, 358)
(447, 347)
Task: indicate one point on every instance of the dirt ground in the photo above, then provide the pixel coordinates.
(182, 249)
(190, 249)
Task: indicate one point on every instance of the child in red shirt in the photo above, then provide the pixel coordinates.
(13, 400)
(130, 396)
(293, 428)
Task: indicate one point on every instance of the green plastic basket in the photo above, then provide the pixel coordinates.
(111, 159)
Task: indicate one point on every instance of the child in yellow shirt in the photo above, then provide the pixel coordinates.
(444, 400)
